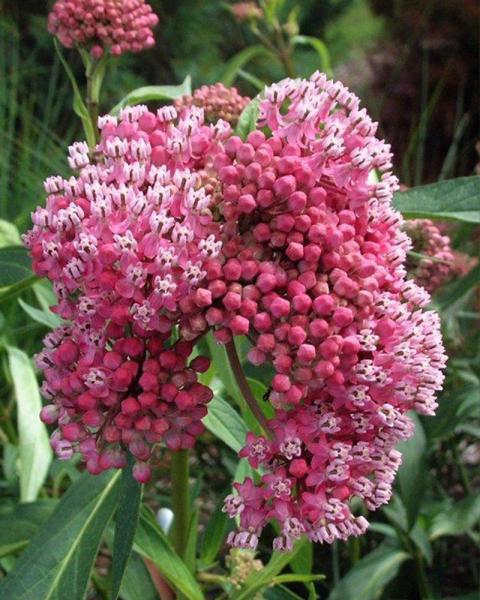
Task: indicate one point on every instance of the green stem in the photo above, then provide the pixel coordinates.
(245, 388)
(422, 581)
(180, 500)
(462, 470)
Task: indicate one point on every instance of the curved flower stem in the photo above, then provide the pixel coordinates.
(180, 500)
(245, 388)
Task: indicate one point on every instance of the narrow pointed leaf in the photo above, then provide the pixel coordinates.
(247, 121)
(152, 543)
(319, 47)
(224, 422)
(34, 448)
(43, 317)
(241, 59)
(154, 93)
(370, 575)
(413, 470)
(57, 563)
(214, 535)
(130, 497)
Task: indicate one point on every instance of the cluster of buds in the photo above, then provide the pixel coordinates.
(439, 263)
(282, 238)
(315, 277)
(116, 25)
(217, 101)
(127, 244)
(241, 564)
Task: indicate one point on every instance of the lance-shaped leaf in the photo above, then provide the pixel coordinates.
(152, 543)
(154, 93)
(224, 422)
(130, 497)
(34, 448)
(57, 563)
(370, 575)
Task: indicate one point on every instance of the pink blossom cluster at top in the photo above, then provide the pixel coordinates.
(217, 101)
(126, 243)
(117, 25)
(282, 238)
(440, 263)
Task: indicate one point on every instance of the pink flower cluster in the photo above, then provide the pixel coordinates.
(118, 25)
(315, 259)
(127, 244)
(283, 238)
(440, 262)
(217, 101)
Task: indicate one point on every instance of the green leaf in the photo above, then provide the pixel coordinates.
(190, 555)
(302, 562)
(154, 93)
(9, 235)
(420, 538)
(57, 563)
(214, 535)
(261, 579)
(369, 576)
(240, 59)
(319, 47)
(252, 79)
(396, 513)
(19, 525)
(137, 583)
(15, 266)
(413, 471)
(223, 370)
(457, 199)
(34, 447)
(248, 119)
(129, 500)
(457, 519)
(43, 317)
(152, 543)
(225, 423)
(280, 592)
(296, 578)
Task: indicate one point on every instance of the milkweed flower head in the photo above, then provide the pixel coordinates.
(117, 26)
(283, 238)
(439, 262)
(217, 101)
(315, 262)
(127, 244)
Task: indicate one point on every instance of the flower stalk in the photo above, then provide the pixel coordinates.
(180, 500)
(245, 388)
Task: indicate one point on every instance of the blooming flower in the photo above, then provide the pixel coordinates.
(283, 238)
(314, 275)
(128, 244)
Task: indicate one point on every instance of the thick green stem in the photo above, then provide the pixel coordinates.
(244, 387)
(422, 580)
(180, 500)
